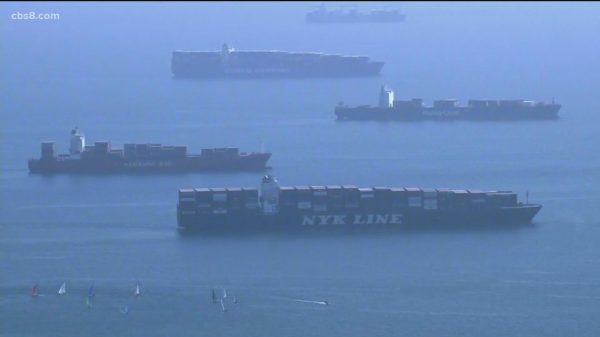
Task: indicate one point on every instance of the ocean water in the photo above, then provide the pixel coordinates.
(105, 68)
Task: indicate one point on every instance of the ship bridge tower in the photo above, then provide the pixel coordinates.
(386, 98)
(77, 142)
(269, 195)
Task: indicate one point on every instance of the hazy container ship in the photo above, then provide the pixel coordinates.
(293, 208)
(449, 109)
(101, 158)
(322, 15)
(269, 63)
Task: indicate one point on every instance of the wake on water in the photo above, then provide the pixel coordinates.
(302, 301)
(314, 302)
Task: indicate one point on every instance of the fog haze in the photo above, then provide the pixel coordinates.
(105, 67)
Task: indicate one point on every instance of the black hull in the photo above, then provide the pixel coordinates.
(320, 20)
(325, 22)
(356, 221)
(269, 64)
(253, 162)
(546, 112)
(201, 71)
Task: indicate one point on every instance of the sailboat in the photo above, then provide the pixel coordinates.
(224, 294)
(137, 292)
(35, 291)
(63, 289)
(223, 306)
(125, 310)
(214, 296)
(90, 295)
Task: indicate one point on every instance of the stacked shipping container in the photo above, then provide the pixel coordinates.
(336, 199)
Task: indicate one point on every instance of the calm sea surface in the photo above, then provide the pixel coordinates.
(105, 68)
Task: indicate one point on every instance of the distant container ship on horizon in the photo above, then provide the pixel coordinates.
(269, 63)
(389, 108)
(323, 15)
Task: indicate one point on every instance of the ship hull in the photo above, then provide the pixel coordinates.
(186, 65)
(544, 112)
(315, 18)
(203, 71)
(356, 220)
(252, 162)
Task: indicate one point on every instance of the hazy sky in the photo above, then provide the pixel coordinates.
(536, 49)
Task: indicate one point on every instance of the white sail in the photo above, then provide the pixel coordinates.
(224, 294)
(137, 290)
(63, 289)
(223, 306)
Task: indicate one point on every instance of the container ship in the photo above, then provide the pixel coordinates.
(345, 207)
(269, 63)
(101, 158)
(322, 15)
(448, 109)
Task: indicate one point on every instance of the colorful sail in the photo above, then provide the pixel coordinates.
(34, 291)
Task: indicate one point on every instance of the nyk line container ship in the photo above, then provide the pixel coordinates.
(269, 63)
(448, 109)
(101, 158)
(345, 207)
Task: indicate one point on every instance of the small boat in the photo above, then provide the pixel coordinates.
(35, 291)
(137, 292)
(63, 289)
(214, 296)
